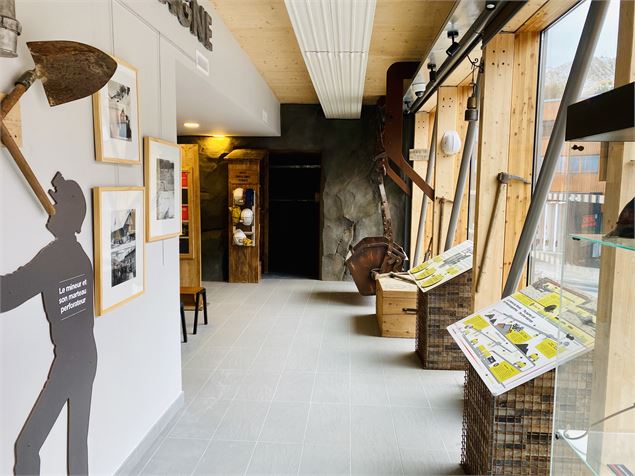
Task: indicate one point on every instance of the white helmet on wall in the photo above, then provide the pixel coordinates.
(239, 237)
(247, 216)
(239, 196)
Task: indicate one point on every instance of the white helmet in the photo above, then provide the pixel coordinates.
(247, 216)
(239, 237)
(239, 196)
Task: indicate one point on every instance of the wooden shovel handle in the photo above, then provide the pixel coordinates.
(22, 85)
(24, 167)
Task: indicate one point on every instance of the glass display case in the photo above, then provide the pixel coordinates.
(594, 412)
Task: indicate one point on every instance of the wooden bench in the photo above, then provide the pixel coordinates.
(196, 292)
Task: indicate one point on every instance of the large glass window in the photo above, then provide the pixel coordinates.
(584, 192)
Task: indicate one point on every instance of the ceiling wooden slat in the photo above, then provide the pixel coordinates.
(403, 30)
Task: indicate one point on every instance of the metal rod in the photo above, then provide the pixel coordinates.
(468, 151)
(424, 200)
(467, 44)
(581, 62)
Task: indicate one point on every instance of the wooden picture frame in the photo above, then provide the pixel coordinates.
(118, 215)
(162, 165)
(116, 118)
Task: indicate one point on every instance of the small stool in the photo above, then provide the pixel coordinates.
(196, 292)
(183, 323)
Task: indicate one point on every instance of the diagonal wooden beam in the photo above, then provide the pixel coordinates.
(397, 179)
(393, 130)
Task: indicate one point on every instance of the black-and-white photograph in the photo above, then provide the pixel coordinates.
(166, 198)
(123, 246)
(119, 107)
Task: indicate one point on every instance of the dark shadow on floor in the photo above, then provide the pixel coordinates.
(408, 360)
(350, 298)
(366, 325)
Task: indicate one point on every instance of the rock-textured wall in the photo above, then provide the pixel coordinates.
(350, 197)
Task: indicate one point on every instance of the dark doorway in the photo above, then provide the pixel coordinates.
(295, 181)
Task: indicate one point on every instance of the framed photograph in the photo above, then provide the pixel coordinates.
(119, 229)
(163, 189)
(116, 118)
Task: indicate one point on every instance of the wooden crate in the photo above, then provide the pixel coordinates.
(395, 305)
(509, 434)
(436, 310)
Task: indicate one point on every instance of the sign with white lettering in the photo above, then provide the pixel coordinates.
(193, 16)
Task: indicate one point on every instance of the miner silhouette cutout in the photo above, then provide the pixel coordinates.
(63, 274)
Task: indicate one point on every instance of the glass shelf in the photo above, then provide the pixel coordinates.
(608, 450)
(614, 242)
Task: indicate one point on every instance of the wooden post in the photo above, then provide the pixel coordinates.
(522, 138)
(447, 107)
(463, 93)
(494, 134)
(422, 134)
(614, 372)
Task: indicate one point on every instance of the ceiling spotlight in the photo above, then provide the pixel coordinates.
(192, 125)
(454, 46)
(433, 72)
(490, 5)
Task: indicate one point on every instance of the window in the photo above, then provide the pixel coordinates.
(573, 204)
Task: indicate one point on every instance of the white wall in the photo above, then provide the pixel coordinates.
(138, 375)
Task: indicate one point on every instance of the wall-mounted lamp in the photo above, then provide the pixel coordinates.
(10, 29)
(453, 48)
(191, 125)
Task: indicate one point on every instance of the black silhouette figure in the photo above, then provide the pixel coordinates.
(63, 274)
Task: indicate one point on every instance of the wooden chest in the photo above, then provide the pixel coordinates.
(396, 308)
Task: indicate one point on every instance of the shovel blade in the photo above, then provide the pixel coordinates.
(69, 70)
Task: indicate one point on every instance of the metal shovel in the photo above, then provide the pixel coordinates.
(69, 71)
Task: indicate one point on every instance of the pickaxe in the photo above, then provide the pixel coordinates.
(503, 178)
(69, 71)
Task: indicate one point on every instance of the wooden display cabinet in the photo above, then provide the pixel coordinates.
(190, 239)
(244, 173)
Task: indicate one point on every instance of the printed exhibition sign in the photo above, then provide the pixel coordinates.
(526, 334)
(444, 267)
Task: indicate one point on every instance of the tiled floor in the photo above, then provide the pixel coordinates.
(290, 377)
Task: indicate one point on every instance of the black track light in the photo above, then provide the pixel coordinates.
(454, 46)
(433, 72)
(490, 5)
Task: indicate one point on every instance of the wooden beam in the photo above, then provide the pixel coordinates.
(421, 141)
(522, 138)
(613, 369)
(447, 108)
(547, 14)
(463, 93)
(494, 134)
(427, 241)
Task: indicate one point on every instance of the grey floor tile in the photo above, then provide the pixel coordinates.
(271, 359)
(372, 425)
(258, 386)
(242, 421)
(222, 384)
(332, 388)
(375, 459)
(295, 387)
(176, 457)
(328, 424)
(238, 359)
(404, 390)
(303, 358)
(417, 427)
(275, 458)
(226, 457)
(325, 460)
(200, 419)
(285, 423)
(368, 389)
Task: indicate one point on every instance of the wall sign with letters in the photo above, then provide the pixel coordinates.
(193, 16)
